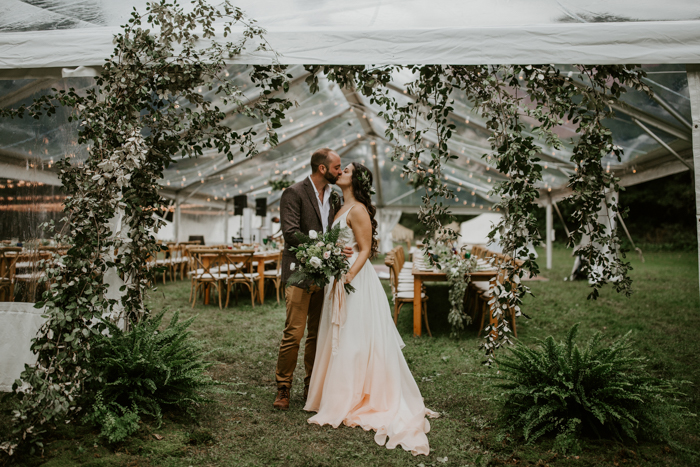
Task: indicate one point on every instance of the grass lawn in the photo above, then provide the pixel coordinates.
(241, 429)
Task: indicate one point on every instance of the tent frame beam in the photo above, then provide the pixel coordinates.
(231, 166)
(649, 119)
(673, 112)
(662, 143)
(340, 152)
(354, 100)
(262, 188)
(25, 91)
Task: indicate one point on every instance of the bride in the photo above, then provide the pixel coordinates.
(360, 377)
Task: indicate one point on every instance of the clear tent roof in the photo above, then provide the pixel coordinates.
(350, 126)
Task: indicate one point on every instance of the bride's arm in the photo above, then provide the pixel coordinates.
(361, 225)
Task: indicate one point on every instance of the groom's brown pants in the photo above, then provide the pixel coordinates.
(303, 310)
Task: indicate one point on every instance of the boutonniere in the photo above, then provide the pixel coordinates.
(335, 199)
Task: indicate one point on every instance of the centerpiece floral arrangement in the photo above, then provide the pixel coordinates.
(321, 260)
(457, 266)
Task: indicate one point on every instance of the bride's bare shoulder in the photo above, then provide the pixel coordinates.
(359, 216)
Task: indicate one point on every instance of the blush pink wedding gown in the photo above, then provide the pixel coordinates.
(365, 380)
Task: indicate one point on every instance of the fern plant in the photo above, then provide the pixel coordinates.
(143, 371)
(563, 390)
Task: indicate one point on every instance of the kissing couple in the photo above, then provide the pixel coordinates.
(362, 378)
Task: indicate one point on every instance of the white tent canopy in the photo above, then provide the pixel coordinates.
(62, 44)
(44, 37)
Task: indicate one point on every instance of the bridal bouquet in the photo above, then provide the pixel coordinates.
(321, 259)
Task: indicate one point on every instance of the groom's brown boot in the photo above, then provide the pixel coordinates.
(306, 393)
(282, 399)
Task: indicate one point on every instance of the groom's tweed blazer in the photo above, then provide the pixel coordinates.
(299, 212)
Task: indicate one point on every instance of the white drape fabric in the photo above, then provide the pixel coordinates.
(386, 221)
(19, 323)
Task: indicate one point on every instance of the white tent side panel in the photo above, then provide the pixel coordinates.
(586, 43)
(476, 231)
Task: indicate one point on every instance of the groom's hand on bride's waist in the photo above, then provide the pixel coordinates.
(348, 252)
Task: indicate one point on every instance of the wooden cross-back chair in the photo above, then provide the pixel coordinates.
(177, 253)
(33, 271)
(8, 258)
(402, 289)
(206, 273)
(275, 275)
(482, 294)
(237, 274)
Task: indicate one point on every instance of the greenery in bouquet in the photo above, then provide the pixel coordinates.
(321, 259)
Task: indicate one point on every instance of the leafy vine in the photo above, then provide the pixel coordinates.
(505, 97)
(145, 109)
(280, 184)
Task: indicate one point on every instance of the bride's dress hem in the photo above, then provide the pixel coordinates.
(360, 375)
(381, 436)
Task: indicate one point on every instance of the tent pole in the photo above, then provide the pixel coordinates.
(548, 210)
(176, 217)
(693, 72)
(226, 221)
(561, 218)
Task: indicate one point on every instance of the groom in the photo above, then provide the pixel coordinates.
(304, 206)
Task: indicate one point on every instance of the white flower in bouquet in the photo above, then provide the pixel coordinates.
(329, 247)
(326, 254)
(303, 260)
(336, 251)
(313, 235)
(292, 266)
(315, 262)
(320, 244)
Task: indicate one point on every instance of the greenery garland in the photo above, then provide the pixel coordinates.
(147, 107)
(281, 184)
(505, 96)
(457, 269)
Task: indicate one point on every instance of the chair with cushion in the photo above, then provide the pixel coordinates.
(238, 265)
(483, 295)
(32, 273)
(163, 260)
(206, 274)
(275, 275)
(403, 292)
(8, 259)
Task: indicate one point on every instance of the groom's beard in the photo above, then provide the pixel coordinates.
(330, 178)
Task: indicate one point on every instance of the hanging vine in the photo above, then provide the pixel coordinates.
(146, 108)
(504, 96)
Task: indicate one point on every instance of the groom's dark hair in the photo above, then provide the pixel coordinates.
(320, 157)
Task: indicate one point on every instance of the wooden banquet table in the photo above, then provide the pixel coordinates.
(420, 276)
(259, 256)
